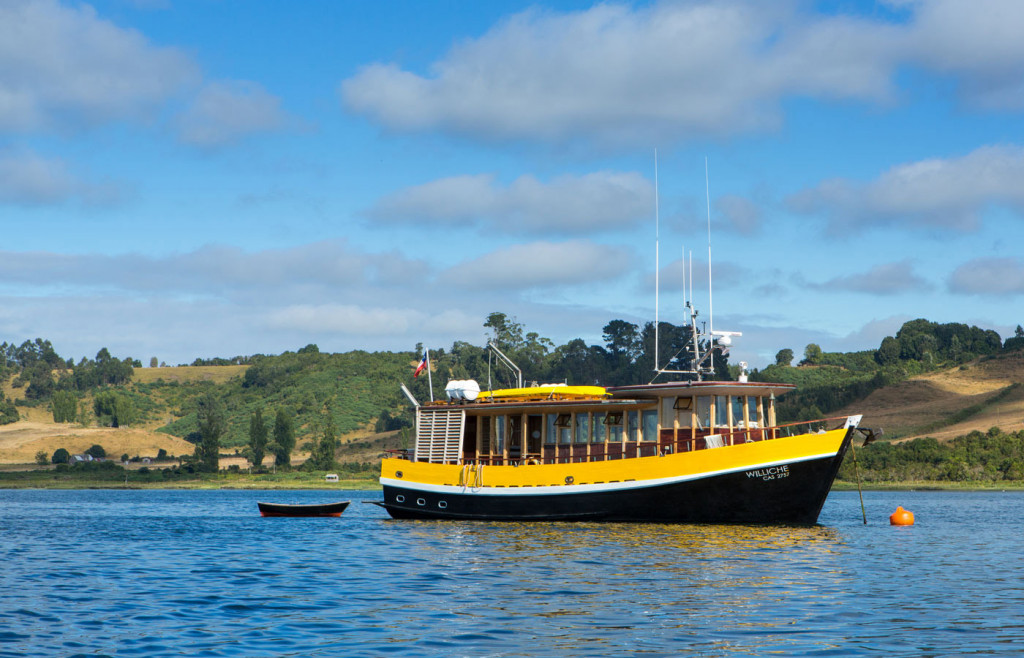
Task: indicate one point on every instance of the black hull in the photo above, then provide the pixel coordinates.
(738, 497)
(278, 509)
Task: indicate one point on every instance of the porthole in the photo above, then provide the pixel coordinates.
(398, 474)
(399, 498)
(569, 479)
(443, 504)
(420, 502)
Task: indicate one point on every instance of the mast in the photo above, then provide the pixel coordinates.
(657, 266)
(711, 305)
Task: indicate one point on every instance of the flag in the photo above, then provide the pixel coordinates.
(421, 366)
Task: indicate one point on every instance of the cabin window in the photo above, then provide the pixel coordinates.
(721, 411)
(582, 428)
(485, 435)
(551, 428)
(564, 424)
(600, 429)
(683, 404)
(533, 429)
(650, 420)
(704, 412)
(754, 411)
(737, 410)
(614, 422)
(499, 434)
(633, 426)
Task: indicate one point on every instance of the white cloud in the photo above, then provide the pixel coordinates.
(884, 279)
(63, 67)
(936, 193)
(600, 201)
(978, 43)
(998, 277)
(371, 321)
(215, 271)
(30, 179)
(674, 70)
(344, 318)
(224, 112)
(221, 301)
(538, 265)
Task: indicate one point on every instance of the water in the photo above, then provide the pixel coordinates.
(200, 573)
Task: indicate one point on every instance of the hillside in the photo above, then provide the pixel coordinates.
(950, 402)
(930, 379)
(165, 395)
(19, 442)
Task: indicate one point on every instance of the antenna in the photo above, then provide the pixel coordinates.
(683, 262)
(703, 361)
(711, 305)
(657, 265)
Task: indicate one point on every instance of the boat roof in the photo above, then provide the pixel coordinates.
(616, 396)
(544, 406)
(691, 388)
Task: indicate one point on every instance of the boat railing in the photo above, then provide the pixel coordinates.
(671, 441)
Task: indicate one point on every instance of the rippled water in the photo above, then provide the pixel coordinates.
(200, 573)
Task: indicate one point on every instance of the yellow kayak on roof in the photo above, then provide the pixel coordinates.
(552, 391)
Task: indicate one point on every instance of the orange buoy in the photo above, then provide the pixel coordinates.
(901, 517)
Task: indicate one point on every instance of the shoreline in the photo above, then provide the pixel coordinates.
(277, 482)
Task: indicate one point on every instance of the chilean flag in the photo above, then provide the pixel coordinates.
(421, 366)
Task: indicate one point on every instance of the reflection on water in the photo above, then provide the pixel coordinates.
(593, 581)
(184, 573)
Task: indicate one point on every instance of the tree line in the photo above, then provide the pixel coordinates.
(992, 456)
(349, 390)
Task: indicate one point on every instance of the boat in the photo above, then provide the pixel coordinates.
(684, 451)
(322, 509)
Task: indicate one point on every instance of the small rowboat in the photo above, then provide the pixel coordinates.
(325, 509)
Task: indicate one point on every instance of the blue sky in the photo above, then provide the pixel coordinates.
(187, 179)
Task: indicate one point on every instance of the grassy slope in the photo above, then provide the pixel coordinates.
(922, 405)
(20, 441)
(164, 394)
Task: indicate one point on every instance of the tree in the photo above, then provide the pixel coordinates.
(113, 410)
(97, 452)
(812, 354)
(8, 412)
(257, 437)
(65, 407)
(154, 362)
(322, 458)
(784, 357)
(284, 438)
(60, 456)
(41, 458)
(888, 352)
(622, 339)
(508, 334)
(40, 381)
(1017, 341)
(211, 427)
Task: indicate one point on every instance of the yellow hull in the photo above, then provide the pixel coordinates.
(684, 464)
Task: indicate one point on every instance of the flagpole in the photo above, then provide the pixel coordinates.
(430, 380)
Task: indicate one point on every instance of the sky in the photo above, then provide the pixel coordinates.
(189, 179)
